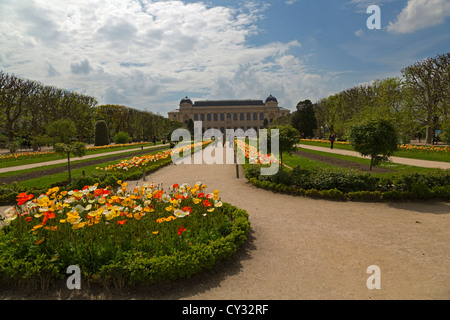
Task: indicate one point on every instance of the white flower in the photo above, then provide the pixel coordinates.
(165, 198)
(217, 204)
(179, 213)
(78, 208)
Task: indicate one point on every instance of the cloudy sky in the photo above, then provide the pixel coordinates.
(150, 54)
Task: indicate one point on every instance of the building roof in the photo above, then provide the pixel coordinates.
(227, 103)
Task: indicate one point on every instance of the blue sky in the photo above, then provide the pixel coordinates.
(150, 54)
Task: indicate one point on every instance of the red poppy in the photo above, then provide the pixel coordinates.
(181, 229)
(28, 219)
(201, 195)
(48, 215)
(175, 186)
(187, 209)
(23, 197)
(206, 203)
(121, 222)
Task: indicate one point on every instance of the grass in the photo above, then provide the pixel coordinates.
(51, 157)
(421, 155)
(294, 160)
(44, 167)
(47, 181)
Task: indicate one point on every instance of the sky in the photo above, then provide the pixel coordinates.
(148, 55)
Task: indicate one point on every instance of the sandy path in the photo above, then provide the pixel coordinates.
(302, 248)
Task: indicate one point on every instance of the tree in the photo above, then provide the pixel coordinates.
(190, 127)
(64, 134)
(304, 119)
(427, 84)
(101, 133)
(377, 138)
(287, 136)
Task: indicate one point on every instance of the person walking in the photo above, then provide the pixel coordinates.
(332, 138)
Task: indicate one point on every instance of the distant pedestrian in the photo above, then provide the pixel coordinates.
(332, 138)
(419, 135)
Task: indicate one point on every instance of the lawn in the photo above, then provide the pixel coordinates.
(5, 163)
(47, 181)
(443, 156)
(295, 160)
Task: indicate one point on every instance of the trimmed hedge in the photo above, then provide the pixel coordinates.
(353, 185)
(130, 268)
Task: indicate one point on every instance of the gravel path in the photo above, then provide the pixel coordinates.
(302, 248)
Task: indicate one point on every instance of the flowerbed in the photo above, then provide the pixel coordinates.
(142, 161)
(430, 149)
(39, 154)
(253, 155)
(402, 147)
(118, 236)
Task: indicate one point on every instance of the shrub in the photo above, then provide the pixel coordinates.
(122, 137)
(101, 133)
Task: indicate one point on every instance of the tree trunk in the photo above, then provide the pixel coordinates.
(371, 164)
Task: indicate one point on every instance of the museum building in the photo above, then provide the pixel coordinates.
(229, 114)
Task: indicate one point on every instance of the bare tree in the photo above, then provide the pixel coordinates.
(427, 83)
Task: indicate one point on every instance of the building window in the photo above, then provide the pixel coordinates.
(196, 117)
(249, 116)
(208, 116)
(255, 116)
(235, 116)
(242, 117)
(261, 116)
(228, 115)
(216, 117)
(222, 117)
(202, 117)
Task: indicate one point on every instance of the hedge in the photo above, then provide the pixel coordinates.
(352, 185)
(132, 268)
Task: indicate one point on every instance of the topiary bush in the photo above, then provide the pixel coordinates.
(101, 133)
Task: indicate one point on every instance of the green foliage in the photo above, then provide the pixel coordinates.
(304, 119)
(123, 255)
(446, 132)
(342, 184)
(376, 138)
(287, 137)
(122, 137)
(62, 131)
(101, 133)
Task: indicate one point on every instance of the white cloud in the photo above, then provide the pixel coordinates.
(420, 14)
(141, 52)
(289, 2)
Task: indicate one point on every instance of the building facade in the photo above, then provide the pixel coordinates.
(229, 114)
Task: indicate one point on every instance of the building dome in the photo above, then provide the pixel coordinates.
(271, 98)
(186, 100)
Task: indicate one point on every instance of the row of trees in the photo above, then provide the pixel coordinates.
(418, 102)
(28, 108)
